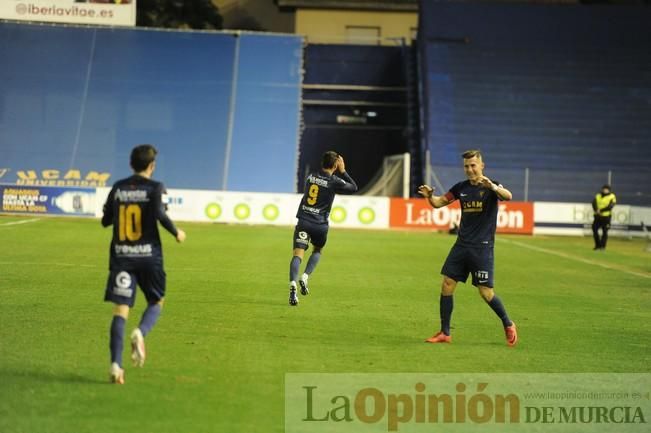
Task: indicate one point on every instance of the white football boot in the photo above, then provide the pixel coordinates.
(293, 299)
(303, 283)
(116, 374)
(137, 348)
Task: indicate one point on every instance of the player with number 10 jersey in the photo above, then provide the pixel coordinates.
(134, 207)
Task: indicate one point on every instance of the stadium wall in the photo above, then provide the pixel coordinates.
(560, 90)
(336, 76)
(363, 212)
(222, 108)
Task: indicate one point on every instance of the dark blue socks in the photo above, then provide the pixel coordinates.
(446, 306)
(294, 266)
(117, 339)
(498, 307)
(312, 262)
(149, 318)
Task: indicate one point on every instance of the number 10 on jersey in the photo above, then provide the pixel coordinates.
(130, 222)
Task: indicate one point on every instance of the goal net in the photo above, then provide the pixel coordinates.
(391, 179)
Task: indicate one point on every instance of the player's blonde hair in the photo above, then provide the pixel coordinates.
(471, 154)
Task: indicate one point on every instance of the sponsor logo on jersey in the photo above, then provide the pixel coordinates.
(317, 180)
(310, 209)
(144, 250)
(134, 195)
(472, 206)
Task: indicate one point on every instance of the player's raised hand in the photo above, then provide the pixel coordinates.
(426, 191)
(341, 165)
(486, 182)
(180, 235)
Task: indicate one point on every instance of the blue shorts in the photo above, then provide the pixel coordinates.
(121, 285)
(306, 232)
(477, 261)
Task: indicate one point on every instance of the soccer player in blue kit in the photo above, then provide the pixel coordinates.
(312, 214)
(134, 207)
(473, 251)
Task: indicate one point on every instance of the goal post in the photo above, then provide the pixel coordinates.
(392, 178)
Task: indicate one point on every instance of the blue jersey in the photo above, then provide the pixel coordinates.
(320, 190)
(478, 213)
(134, 207)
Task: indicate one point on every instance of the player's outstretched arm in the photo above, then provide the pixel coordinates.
(436, 201)
(502, 193)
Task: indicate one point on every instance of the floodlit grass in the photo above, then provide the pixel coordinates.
(218, 356)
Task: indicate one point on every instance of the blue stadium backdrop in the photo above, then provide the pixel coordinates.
(222, 108)
(564, 90)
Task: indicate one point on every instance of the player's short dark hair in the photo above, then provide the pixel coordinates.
(141, 156)
(471, 154)
(329, 159)
(606, 186)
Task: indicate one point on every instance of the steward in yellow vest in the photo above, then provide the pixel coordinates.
(603, 204)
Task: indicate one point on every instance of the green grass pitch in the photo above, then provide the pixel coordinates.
(217, 358)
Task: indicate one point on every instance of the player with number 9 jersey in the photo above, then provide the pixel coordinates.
(313, 213)
(320, 190)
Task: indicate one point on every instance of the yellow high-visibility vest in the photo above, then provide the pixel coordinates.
(605, 201)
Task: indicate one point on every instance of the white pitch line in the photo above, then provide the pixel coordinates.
(14, 223)
(577, 259)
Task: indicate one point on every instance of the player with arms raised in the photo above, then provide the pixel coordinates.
(134, 207)
(473, 251)
(312, 214)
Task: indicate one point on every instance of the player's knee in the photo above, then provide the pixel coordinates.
(161, 302)
(448, 286)
(121, 310)
(487, 293)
